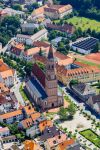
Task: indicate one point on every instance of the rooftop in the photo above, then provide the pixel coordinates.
(44, 124)
(86, 43)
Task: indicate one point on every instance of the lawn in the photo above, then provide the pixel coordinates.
(85, 23)
(91, 136)
(23, 94)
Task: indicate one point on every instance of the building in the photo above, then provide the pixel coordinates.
(28, 40)
(43, 87)
(10, 12)
(39, 11)
(16, 49)
(53, 142)
(69, 144)
(29, 27)
(11, 117)
(83, 90)
(4, 131)
(82, 74)
(73, 70)
(7, 75)
(66, 28)
(85, 45)
(57, 11)
(94, 102)
(7, 103)
(31, 145)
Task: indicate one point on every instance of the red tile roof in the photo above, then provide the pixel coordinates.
(39, 74)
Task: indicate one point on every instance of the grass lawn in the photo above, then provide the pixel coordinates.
(24, 96)
(91, 136)
(85, 23)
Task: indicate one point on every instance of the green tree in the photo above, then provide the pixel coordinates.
(63, 113)
(17, 7)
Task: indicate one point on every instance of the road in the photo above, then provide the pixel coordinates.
(6, 46)
(15, 89)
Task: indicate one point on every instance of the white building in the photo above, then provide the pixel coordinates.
(4, 131)
(28, 40)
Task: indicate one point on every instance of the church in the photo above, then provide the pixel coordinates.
(42, 86)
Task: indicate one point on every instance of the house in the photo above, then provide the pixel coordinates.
(42, 87)
(66, 28)
(7, 103)
(7, 75)
(94, 102)
(83, 90)
(69, 144)
(32, 131)
(57, 11)
(53, 142)
(11, 12)
(28, 111)
(9, 139)
(51, 132)
(28, 54)
(44, 124)
(28, 40)
(4, 132)
(4, 89)
(16, 49)
(39, 11)
(31, 145)
(29, 27)
(11, 117)
(85, 45)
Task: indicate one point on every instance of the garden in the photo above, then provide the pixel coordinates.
(91, 136)
(85, 23)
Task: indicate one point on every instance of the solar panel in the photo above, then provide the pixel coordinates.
(86, 44)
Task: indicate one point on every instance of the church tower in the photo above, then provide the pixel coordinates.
(50, 80)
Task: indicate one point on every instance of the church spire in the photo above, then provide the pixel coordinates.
(50, 54)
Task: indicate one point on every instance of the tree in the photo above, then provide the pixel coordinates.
(17, 7)
(71, 109)
(96, 48)
(63, 113)
(41, 52)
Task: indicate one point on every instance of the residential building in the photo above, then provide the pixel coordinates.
(44, 124)
(31, 145)
(33, 131)
(94, 102)
(10, 12)
(4, 132)
(52, 143)
(85, 45)
(9, 139)
(51, 132)
(43, 86)
(4, 89)
(28, 111)
(11, 117)
(57, 11)
(7, 75)
(69, 144)
(16, 49)
(66, 28)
